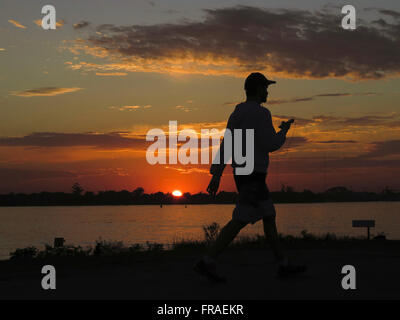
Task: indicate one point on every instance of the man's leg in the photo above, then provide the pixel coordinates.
(207, 265)
(271, 235)
(225, 237)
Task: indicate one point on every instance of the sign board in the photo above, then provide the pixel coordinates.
(363, 223)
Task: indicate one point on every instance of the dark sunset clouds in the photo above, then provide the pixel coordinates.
(286, 43)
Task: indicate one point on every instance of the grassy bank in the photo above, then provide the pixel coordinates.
(118, 250)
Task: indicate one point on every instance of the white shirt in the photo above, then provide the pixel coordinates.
(251, 115)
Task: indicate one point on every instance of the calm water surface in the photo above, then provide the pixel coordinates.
(35, 226)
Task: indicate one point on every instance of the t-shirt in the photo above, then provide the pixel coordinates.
(251, 115)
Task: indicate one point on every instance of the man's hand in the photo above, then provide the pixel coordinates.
(214, 185)
(285, 125)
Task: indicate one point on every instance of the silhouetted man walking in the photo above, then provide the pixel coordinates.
(254, 202)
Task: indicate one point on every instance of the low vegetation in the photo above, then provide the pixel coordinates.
(104, 248)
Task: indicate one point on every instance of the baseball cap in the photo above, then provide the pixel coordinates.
(255, 79)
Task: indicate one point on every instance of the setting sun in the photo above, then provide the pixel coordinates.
(177, 193)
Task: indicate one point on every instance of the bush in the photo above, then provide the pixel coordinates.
(211, 232)
(135, 248)
(154, 247)
(307, 236)
(330, 237)
(188, 245)
(26, 253)
(66, 251)
(109, 248)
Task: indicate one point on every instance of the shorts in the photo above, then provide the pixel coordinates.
(254, 201)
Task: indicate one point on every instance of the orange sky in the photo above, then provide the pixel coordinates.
(76, 103)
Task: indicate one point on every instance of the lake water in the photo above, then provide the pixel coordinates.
(82, 225)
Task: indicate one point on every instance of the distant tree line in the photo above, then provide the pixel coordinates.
(79, 196)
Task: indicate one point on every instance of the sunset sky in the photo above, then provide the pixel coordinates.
(76, 102)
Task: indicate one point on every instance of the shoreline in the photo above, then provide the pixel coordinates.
(180, 204)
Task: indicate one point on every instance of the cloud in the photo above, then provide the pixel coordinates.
(323, 95)
(391, 13)
(44, 92)
(373, 159)
(336, 141)
(112, 140)
(111, 74)
(317, 122)
(17, 24)
(294, 100)
(339, 166)
(293, 142)
(184, 109)
(14, 174)
(298, 122)
(81, 25)
(384, 148)
(59, 23)
(130, 108)
(372, 120)
(286, 43)
(188, 170)
(333, 123)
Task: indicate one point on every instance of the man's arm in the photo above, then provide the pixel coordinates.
(218, 164)
(274, 140)
(216, 170)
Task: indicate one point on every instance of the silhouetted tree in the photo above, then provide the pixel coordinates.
(138, 192)
(337, 190)
(77, 189)
(110, 197)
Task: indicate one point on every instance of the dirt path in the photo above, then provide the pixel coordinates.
(251, 275)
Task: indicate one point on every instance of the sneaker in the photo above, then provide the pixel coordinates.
(209, 271)
(290, 270)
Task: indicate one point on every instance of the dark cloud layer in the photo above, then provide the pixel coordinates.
(81, 25)
(44, 92)
(344, 122)
(293, 142)
(310, 98)
(391, 13)
(384, 148)
(388, 121)
(336, 141)
(322, 95)
(290, 43)
(317, 165)
(112, 140)
(14, 174)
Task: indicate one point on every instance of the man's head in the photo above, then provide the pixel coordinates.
(256, 86)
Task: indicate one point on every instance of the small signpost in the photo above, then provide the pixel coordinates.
(58, 242)
(364, 224)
